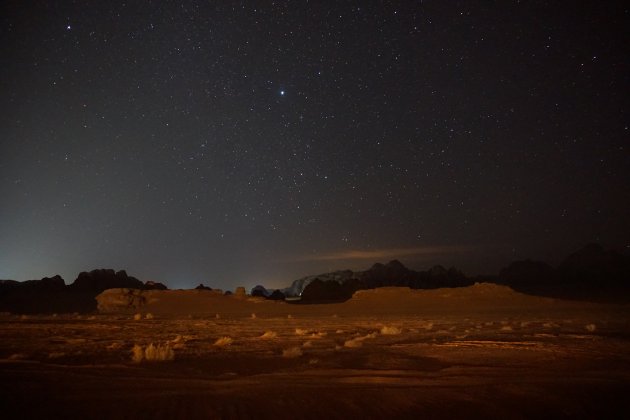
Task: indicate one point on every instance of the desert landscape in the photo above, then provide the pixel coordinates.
(314, 210)
(483, 351)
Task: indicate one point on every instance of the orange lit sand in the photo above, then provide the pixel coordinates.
(482, 351)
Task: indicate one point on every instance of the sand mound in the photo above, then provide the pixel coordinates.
(481, 297)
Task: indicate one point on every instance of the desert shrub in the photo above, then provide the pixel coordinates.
(152, 353)
(292, 352)
(223, 341)
(390, 330)
(353, 343)
(300, 331)
(137, 353)
(148, 316)
(590, 327)
(137, 317)
(268, 335)
(159, 353)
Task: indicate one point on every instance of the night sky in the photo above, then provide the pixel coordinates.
(256, 143)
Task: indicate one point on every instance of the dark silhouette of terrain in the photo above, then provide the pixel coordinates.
(322, 289)
(52, 295)
(592, 273)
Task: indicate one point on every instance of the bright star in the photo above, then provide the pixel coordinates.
(68, 27)
(282, 93)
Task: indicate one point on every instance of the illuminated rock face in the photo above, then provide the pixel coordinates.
(240, 292)
(116, 300)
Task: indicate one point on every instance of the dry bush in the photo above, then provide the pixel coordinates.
(292, 352)
(223, 341)
(300, 331)
(137, 353)
(390, 330)
(269, 335)
(152, 353)
(307, 344)
(253, 315)
(148, 316)
(506, 328)
(137, 317)
(159, 353)
(590, 327)
(353, 343)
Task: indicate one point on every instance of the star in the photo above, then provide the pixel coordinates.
(282, 92)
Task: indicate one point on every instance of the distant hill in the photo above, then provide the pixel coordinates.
(341, 285)
(52, 295)
(591, 273)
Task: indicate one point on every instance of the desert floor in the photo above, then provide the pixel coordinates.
(537, 358)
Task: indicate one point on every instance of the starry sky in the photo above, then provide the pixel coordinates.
(243, 143)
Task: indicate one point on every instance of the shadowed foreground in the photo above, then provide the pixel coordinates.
(555, 359)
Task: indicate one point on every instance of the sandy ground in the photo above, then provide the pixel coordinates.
(470, 353)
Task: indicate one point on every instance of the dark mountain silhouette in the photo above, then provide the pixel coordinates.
(260, 291)
(277, 295)
(333, 287)
(202, 287)
(52, 295)
(154, 285)
(99, 280)
(592, 273)
(534, 277)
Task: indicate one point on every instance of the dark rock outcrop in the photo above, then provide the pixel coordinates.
(51, 295)
(99, 280)
(335, 288)
(154, 285)
(202, 287)
(260, 291)
(276, 295)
